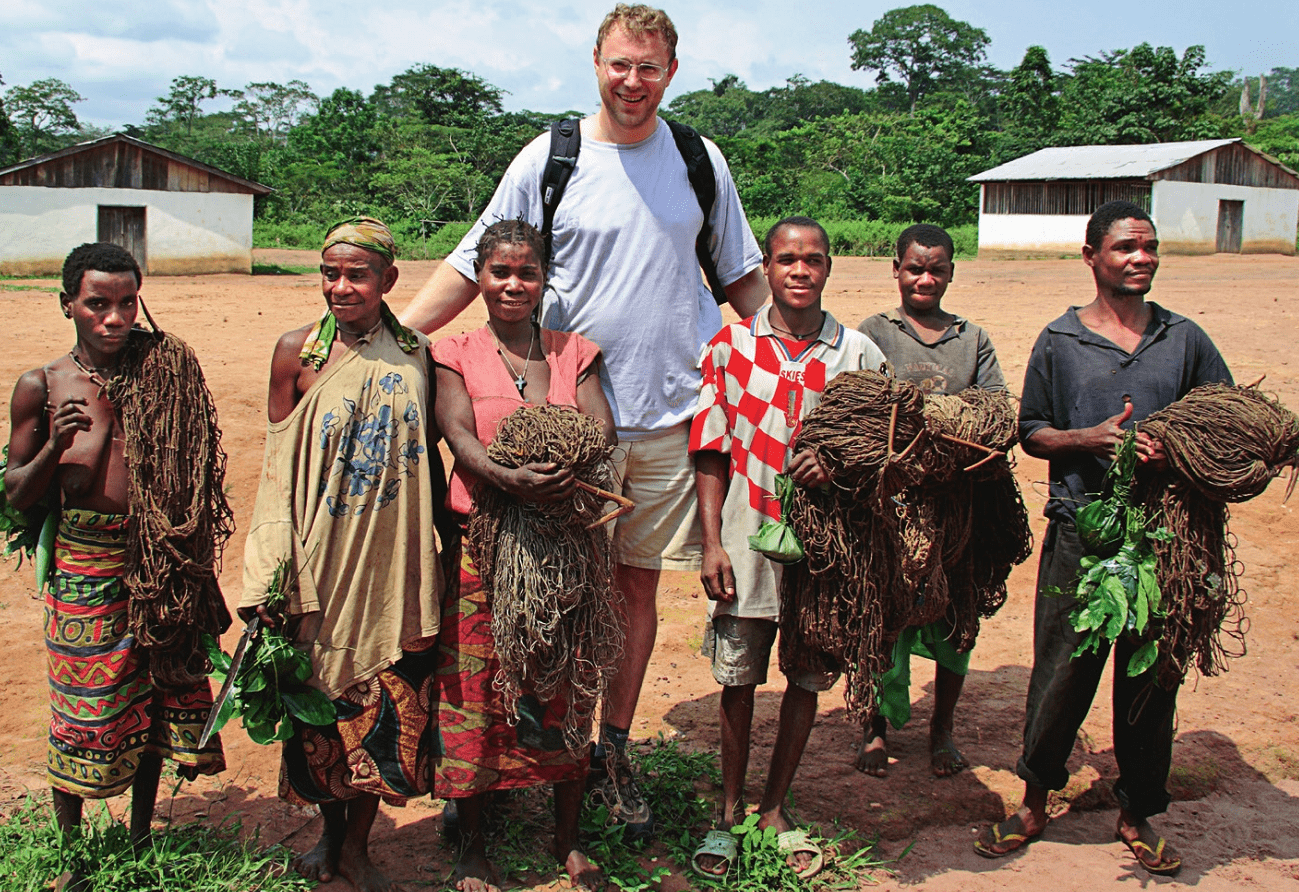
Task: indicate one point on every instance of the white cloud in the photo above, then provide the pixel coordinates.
(122, 54)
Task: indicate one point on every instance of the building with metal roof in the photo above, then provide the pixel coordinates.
(1205, 196)
(176, 215)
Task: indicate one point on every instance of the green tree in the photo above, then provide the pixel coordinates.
(181, 105)
(1279, 137)
(271, 110)
(728, 109)
(1141, 95)
(903, 167)
(10, 147)
(1029, 104)
(42, 115)
(446, 96)
(924, 46)
(1282, 92)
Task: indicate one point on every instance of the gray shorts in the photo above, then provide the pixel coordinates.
(740, 648)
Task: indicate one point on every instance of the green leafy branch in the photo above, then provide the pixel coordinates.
(1118, 592)
(271, 685)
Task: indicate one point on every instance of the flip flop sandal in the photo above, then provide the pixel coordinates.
(719, 844)
(796, 841)
(1013, 836)
(1152, 859)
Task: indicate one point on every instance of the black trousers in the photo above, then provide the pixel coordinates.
(1061, 690)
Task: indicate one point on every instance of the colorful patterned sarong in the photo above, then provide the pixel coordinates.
(106, 713)
(478, 749)
(380, 744)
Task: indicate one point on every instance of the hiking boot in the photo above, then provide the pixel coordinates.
(611, 783)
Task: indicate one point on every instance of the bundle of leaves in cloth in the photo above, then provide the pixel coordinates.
(28, 533)
(1224, 444)
(922, 520)
(556, 616)
(179, 517)
(1118, 591)
(272, 682)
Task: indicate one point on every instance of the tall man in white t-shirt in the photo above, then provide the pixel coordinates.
(625, 275)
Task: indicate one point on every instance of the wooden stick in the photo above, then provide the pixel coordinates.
(983, 461)
(1257, 381)
(616, 512)
(916, 439)
(622, 501)
(893, 426)
(949, 438)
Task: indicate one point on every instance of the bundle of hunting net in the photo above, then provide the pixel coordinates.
(1224, 444)
(179, 517)
(556, 615)
(923, 521)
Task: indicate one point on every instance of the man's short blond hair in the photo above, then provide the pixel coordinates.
(638, 20)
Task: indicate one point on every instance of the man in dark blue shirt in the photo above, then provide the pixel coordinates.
(1093, 373)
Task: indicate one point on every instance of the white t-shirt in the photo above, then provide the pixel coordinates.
(624, 272)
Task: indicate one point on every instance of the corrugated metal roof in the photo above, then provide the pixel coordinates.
(1100, 162)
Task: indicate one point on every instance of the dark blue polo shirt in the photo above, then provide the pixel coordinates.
(1077, 379)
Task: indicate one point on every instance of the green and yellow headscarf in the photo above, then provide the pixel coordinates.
(364, 232)
(372, 235)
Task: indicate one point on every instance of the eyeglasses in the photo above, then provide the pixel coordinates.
(647, 71)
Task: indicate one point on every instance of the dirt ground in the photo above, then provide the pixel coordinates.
(1235, 772)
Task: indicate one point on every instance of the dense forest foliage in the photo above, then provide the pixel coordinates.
(427, 148)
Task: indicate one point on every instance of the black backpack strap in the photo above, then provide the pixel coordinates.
(565, 143)
(699, 168)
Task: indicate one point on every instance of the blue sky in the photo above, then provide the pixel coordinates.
(121, 55)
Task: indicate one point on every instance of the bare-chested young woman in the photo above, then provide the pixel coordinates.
(111, 726)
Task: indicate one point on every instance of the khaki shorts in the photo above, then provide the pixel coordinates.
(740, 648)
(659, 476)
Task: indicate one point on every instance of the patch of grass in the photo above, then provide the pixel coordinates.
(4, 286)
(275, 269)
(196, 857)
(762, 866)
(1279, 763)
(1194, 781)
(673, 780)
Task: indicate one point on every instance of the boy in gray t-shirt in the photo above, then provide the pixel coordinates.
(940, 353)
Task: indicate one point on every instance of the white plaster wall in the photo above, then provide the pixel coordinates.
(1187, 217)
(1019, 235)
(184, 231)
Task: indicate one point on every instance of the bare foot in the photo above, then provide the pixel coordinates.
(320, 864)
(582, 873)
(873, 754)
(474, 873)
(354, 863)
(944, 758)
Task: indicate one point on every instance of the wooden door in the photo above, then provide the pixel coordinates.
(1230, 216)
(124, 226)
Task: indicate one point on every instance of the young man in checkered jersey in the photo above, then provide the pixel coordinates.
(760, 379)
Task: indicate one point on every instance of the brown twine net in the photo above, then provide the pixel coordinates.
(1224, 444)
(179, 517)
(923, 520)
(556, 615)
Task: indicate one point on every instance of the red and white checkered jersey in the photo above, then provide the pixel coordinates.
(754, 398)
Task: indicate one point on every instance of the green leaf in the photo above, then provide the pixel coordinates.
(1143, 658)
(262, 732)
(1148, 586)
(309, 706)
